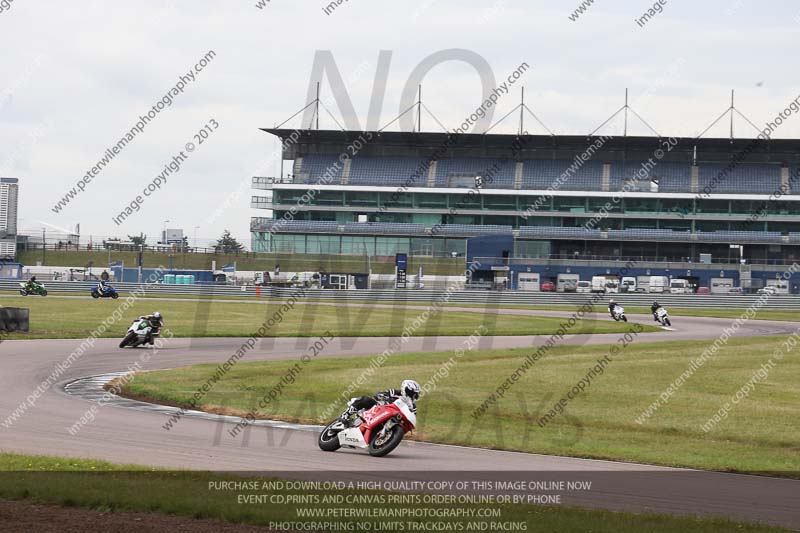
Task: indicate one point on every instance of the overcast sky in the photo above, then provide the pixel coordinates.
(75, 77)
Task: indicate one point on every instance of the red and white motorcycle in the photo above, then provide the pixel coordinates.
(379, 429)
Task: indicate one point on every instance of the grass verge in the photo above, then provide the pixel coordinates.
(109, 487)
(599, 423)
(73, 318)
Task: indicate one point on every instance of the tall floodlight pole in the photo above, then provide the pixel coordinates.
(625, 130)
(317, 106)
(419, 110)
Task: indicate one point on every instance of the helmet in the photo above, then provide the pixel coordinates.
(655, 304)
(157, 315)
(410, 389)
(612, 301)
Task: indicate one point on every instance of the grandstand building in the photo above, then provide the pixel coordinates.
(560, 196)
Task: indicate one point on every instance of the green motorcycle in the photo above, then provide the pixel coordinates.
(32, 288)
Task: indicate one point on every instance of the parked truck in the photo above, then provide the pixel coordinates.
(721, 285)
(528, 281)
(781, 285)
(628, 284)
(567, 282)
(643, 283)
(659, 284)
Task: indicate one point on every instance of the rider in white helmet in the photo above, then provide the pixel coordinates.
(409, 389)
(156, 323)
(611, 305)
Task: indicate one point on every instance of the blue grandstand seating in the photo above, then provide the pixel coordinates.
(558, 233)
(741, 178)
(672, 176)
(388, 228)
(542, 173)
(311, 226)
(497, 174)
(388, 171)
(315, 166)
(471, 230)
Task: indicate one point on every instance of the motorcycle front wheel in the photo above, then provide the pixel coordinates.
(23, 292)
(44, 293)
(328, 439)
(624, 318)
(668, 323)
(128, 338)
(114, 296)
(383, 445)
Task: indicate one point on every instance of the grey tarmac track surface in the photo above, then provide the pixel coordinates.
(136, 436)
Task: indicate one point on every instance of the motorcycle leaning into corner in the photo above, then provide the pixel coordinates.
(379, 429)
(619, 314)
(32, 287)
(140, 332)
(662, 317)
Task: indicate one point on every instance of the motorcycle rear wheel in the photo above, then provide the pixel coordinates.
(379, 450)
(95, 294)
(327, 440)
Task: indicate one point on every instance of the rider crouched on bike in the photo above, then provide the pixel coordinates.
(653, 309)
(409, 389)
(156, 322)
(612, 304)
(102, 286)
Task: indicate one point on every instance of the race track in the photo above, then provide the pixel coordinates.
(136, 436)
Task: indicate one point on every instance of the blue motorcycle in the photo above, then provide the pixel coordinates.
(106, 292)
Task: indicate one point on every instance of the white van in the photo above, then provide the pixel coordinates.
(612, 285)
(680, 286)
(583, 286)
(598, 284)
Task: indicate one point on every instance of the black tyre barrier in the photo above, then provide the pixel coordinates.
(14, 319)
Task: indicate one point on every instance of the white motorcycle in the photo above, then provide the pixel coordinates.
(663, 317)
(139, 333)
(619, 314)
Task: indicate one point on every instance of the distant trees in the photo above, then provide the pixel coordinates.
(227, 244)
(138, 239)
